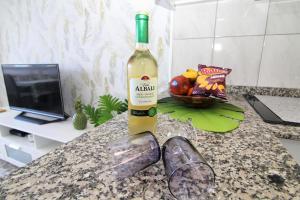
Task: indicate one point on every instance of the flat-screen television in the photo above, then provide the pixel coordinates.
(34, 88)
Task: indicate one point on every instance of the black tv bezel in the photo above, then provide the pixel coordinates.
(48, 114)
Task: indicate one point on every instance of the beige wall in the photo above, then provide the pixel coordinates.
(91, 40)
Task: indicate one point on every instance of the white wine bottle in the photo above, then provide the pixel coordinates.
(142, 82)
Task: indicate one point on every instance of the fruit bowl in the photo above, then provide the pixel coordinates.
(195, 101)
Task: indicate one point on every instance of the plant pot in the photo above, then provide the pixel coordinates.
(79, 121)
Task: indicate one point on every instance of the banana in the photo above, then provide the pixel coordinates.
(191, 74)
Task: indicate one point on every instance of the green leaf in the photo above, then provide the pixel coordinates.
(221, 117)
(104, 111)
(105, 117)
(228, 106)
(108, 103)
(93, 114)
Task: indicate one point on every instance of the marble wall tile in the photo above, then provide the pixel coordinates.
(246, 17)
(284, 17)
(195, 20)
(3, 99)
(190, 53)
(242, 55)
(90, 40)
(243, 29)
(280, 65)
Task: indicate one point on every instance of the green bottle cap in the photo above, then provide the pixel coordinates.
(142, 27)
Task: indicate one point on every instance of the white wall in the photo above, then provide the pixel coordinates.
(259, 40)
(91, 40)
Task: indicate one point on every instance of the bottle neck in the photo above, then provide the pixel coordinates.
(142, 46)
(141, 31)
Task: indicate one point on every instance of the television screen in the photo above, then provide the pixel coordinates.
(34, 88)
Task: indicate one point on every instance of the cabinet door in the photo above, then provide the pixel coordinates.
(2, 150)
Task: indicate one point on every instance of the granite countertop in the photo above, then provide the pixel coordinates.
(242, 161)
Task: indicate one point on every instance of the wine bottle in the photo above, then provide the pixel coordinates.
(142, 82)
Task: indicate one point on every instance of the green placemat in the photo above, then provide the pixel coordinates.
(220, 118)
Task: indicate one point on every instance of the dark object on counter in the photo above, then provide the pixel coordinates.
(18, 133)
(265, 113)
(275, 178)
(133, 153)
(189, 175)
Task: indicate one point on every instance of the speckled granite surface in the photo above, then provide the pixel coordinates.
(242, 161)
(6, 168)
(283, 92)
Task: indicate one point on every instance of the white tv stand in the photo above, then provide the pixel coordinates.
(20, 150)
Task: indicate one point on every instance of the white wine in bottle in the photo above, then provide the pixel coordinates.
(142, 82)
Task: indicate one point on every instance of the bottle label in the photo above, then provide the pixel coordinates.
(143, 91)
(150, 113)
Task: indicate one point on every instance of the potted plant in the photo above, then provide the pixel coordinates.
(79, 118)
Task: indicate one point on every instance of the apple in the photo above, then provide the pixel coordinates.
(180, 85)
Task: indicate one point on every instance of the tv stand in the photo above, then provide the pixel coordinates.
(38, 119)
(40, 140)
